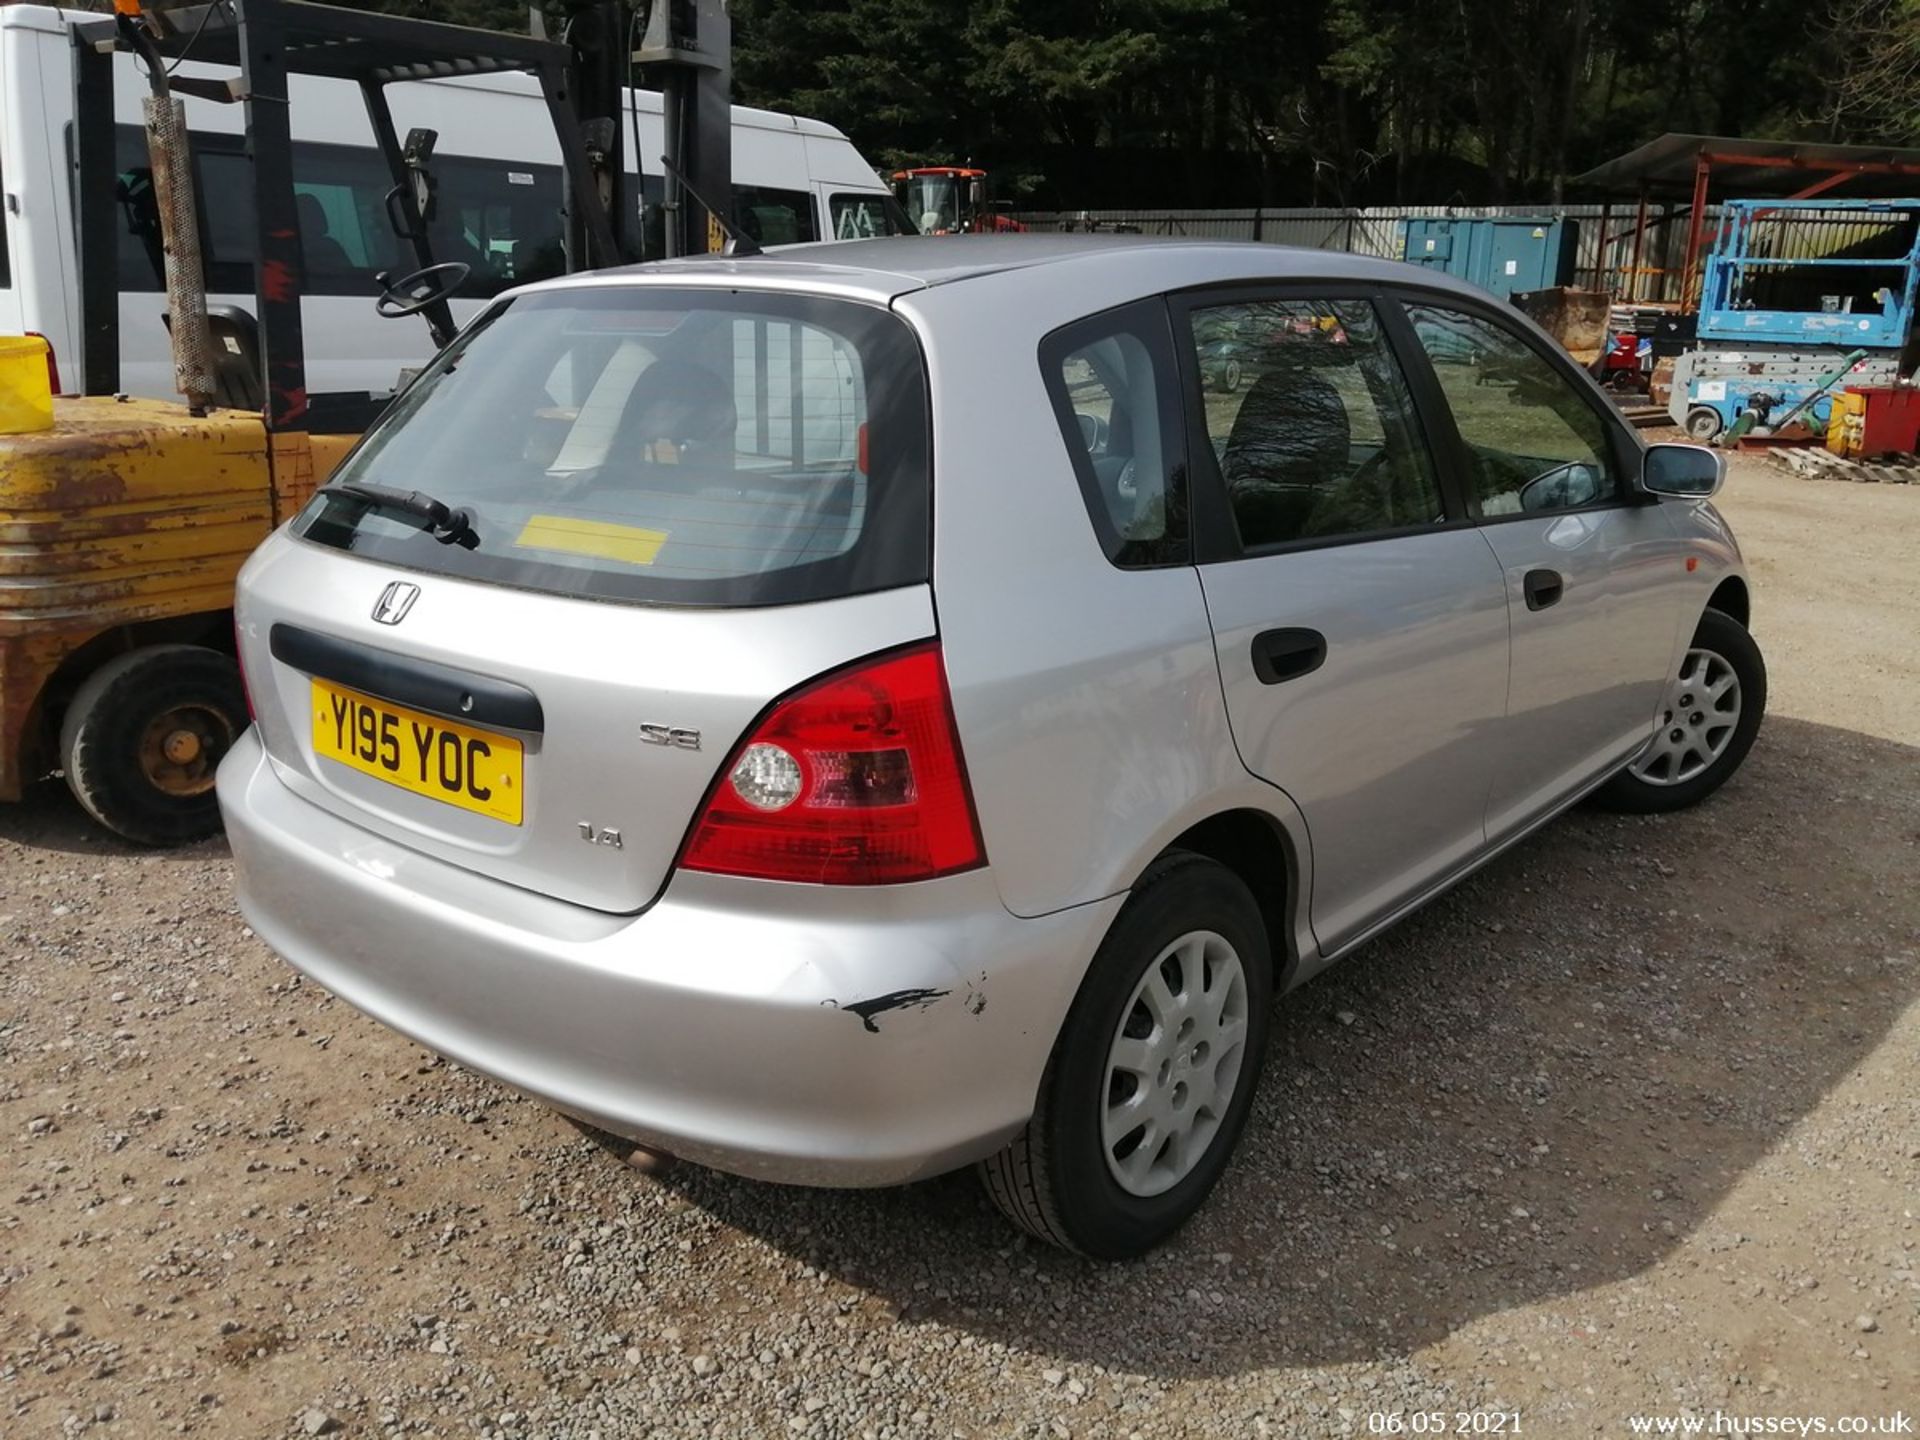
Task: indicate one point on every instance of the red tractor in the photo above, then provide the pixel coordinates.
(951, 200)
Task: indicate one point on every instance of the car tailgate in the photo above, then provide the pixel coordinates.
(634, 708)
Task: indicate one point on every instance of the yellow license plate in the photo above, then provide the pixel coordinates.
(476, 770)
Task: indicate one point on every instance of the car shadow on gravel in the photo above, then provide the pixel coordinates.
(1537, 1086)
(47, 817)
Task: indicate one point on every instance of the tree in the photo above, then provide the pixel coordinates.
(1877, 70)
(1160, 102)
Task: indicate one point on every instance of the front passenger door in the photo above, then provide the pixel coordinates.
(1594, 581)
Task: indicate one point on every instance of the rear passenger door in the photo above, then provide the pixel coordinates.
(1593, 579)
(1358, 616)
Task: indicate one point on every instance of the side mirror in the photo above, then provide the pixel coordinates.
(418, 155)
(1682, 472)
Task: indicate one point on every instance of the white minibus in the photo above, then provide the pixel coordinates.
(497, 165)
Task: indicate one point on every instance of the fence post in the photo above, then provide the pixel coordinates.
(1602, 252)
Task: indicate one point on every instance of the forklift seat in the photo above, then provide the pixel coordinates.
(236, 357)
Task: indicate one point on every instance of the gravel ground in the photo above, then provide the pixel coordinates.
(1628, 1123)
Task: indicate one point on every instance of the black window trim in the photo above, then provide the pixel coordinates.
(1216, 535)
(1171, 550)
(1623, 449)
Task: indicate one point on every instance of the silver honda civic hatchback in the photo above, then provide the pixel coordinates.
(843, 714)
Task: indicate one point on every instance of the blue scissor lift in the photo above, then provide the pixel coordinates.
(1799, 297)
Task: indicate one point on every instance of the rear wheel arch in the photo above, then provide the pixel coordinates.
(1256, 848)
(1730, 597)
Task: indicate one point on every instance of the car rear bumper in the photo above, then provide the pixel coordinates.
(807, 1034)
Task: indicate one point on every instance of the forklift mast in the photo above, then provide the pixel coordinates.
(265, 42)
(690, 44)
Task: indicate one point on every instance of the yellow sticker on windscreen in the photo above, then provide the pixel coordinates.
(600, 539)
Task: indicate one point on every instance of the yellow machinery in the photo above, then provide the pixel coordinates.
(121, 530)
(124, 521)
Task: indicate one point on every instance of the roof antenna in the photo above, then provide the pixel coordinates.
(737, 242)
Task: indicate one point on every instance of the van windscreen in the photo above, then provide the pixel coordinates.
(683, 446)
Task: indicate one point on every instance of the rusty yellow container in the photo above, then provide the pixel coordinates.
(26, 387)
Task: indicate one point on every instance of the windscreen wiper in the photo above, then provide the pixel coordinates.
(448, 525)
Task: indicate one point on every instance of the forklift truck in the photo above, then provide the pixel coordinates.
(122, 527)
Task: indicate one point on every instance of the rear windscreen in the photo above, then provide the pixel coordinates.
(683, 446)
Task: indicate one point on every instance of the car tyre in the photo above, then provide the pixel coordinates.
(1184, 1050)
(1230, 377)
(1721, 678)
(143, 736)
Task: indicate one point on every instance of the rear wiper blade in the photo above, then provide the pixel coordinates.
(448, 525)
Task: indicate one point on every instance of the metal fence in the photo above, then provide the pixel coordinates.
(1605, 257)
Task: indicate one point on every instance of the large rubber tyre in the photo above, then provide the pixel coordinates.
(1634, 791)
(1055, 1180)
(143, 737)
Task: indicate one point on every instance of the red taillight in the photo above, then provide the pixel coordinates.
(53, 363)
(855, 779)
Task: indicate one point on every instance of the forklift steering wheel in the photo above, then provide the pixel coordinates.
(414, 292)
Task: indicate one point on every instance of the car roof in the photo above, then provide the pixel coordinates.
(882, 269)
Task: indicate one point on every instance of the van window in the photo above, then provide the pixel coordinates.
(639, 443)
(500, 218)
(339, 195)
(774, 217)
(860, 217)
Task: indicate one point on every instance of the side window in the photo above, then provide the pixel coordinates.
(1311, 422)
(1533, 441)
(344, 233)
(500, 218)
(141, 259)
(1111, 380)
(860, 217)
(223, 190)
(774, 217)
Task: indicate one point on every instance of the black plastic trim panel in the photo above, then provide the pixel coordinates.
(418, 684)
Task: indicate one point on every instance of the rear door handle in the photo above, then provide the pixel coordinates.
(1282, 655)
(1543, 588)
